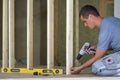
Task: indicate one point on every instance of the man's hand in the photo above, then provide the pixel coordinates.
(98, 55)
(75, 70)
(92, 49)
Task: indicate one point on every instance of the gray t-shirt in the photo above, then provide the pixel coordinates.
(109, 35)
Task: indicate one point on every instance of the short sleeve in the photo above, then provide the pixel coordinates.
(104, 40)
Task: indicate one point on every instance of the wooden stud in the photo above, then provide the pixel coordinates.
(50, 33)
(56, 32)
(77, 19)
(5, 35)
(69, 36)
(29, 34)
(103, 6)
(11, 34)
(116, 8)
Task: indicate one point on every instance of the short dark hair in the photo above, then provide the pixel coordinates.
(88, 9)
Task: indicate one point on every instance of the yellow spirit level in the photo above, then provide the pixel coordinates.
(34, 71)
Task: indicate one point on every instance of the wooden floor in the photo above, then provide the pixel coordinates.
(52, 77)
(84, 75)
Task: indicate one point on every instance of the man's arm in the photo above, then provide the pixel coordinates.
(98, 55)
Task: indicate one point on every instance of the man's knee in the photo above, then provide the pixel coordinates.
(97, 67)
(108, 65)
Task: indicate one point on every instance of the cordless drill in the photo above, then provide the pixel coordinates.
(85, 50)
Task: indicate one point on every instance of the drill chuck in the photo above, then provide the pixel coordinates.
(79, 56)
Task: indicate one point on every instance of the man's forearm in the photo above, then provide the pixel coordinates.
(97, 56)
(87, 64)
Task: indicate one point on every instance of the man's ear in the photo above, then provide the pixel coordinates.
(91, 17)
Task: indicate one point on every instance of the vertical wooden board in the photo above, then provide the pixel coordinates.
(77, 19)
(29, 33)
(116, 8)
(11, 34)
(5, 35)
(50, 33)
(1, 4)
(69, 36)
(102, 7)
(56, 32)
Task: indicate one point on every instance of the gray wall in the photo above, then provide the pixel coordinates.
(40, 18)
(61, 32)
(20, 29)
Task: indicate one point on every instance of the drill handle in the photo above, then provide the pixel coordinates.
(93, 51)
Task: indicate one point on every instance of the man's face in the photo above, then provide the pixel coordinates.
(88, 22)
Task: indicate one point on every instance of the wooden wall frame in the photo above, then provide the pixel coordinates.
(103, 6)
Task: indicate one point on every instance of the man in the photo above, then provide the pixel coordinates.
(108, 39)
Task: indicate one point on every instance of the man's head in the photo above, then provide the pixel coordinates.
(88, 14)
